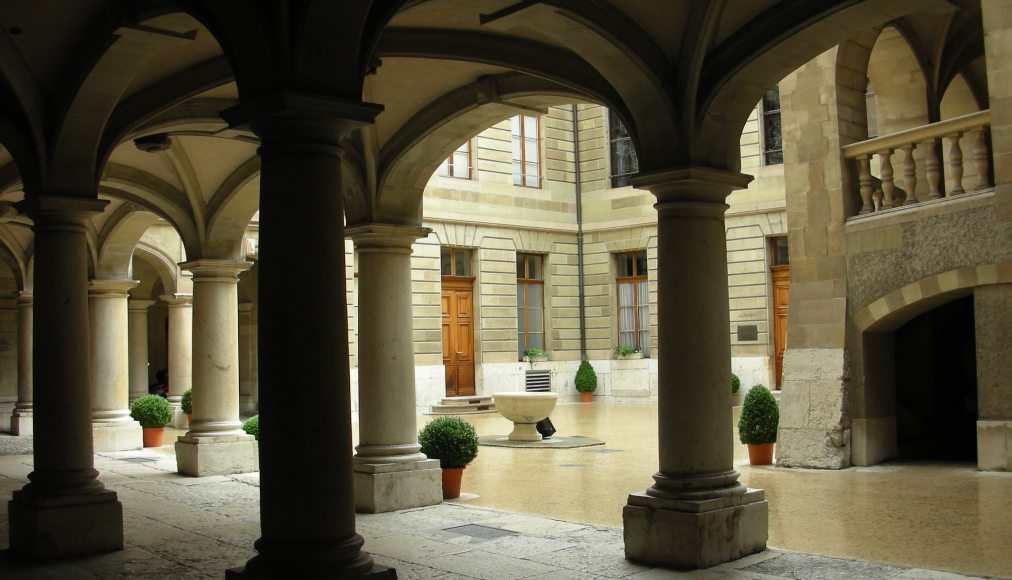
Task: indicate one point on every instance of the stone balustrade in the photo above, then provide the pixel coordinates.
(909, 166)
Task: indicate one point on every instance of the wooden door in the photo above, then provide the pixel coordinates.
(781, 290)
(458, 336)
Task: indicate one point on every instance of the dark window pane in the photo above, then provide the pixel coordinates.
(781, 257)
(444, 261)
(462, 262)
(625, 265)
(534, 267)
(520, 266)
(641, 263)
(773, 139)
(771, 100)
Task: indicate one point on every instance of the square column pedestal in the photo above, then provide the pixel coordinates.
(22, 423)
(387, 487)
(52, 527)
(117, 436)
(221, 455)
(685, 534)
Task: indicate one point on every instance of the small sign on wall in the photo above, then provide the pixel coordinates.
(748, 332)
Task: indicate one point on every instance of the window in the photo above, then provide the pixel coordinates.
(455, 261)
(458, 164)
(526, 151)
(530, 302)
(773, 143)
(624, 163)
(780, 255)
(871, 110)
(633, 301)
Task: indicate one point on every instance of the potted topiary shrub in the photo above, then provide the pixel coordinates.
(152, 412)
(757, 426)
(586, 381)
(454, 442)
(187, 404)
(252, 426)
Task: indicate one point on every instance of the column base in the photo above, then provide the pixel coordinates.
(388, 487)
(22, 423)
(686, 534)
(240, 573)
(223, 455)
(118, 436)
(994, 445)
(52, 527)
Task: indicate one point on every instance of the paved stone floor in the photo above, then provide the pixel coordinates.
(893, 521)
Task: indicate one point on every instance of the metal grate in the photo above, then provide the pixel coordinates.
(538, 381)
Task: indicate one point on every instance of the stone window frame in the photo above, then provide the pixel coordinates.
(769, 119)
(517, 132)
(641, 334)
(526, 283)
(617, 180)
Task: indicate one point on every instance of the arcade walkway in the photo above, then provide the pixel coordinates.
(555, 514)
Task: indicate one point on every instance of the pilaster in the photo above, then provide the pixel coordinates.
(64, 510)
(112, 427)
(21, 418)
(390, 471)
(696, 514)
(215, 443)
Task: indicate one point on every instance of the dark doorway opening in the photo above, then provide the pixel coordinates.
(936, 384)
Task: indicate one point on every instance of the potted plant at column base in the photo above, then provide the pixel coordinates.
(757, 426)
(153, 413)
(586, 381)
(187, 404)
(454, 442)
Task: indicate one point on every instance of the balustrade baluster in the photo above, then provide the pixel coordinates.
(864, 180)
(980, 158)
(932, 171)
(909, 174)
(955, 164)
(886, 171)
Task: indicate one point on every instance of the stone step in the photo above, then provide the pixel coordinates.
(463, 406)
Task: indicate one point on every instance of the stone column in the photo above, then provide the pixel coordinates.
(138, 336)
(390, 471)
(180, 347)
(696, 514)
(64, 510)
(113, 428)
(307, 523)
(247, 361)
(215, 443)
(21, 419)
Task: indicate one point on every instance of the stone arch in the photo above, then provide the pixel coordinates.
(409, 158)
(231, 208)
(161, 263)
(901, 79)
(890, 311)
(117, 240)
(14, 260)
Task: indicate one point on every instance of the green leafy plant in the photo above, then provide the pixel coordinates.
(759, 417)
(534, 352)
(252, 426)
(626, 350)
(451, 440)
(586, 378)
(735, 384)
(187, 401)
(151, 411)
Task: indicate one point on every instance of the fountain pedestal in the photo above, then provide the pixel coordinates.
(525, 410)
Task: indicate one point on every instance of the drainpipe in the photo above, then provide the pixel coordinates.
(579, 232)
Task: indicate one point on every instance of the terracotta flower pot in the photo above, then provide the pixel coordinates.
(153, 436)
(451, 482)
(189, 418)
(586, 396)
(760, 453)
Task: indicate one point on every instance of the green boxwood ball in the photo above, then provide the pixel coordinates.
(759, 417)
(451, 440)
(151, 411)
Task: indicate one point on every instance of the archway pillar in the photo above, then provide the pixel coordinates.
(247, 360)
(307, 523)
(64, 510)
(390, 471)
(180, 352)
(138, 335)
(21, 418)
(215, 443)
(992, 312)
(113, 428)
(696, 514)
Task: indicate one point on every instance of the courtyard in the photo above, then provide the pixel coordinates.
(556, 513)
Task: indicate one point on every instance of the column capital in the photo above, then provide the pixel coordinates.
(216, 270)
(294, 117)
(177, 300)
(25, 298)
(111, 288)
(136, 305)
(690, 189)
(61, 209)
(379, 235)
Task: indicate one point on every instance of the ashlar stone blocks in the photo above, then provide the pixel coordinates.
(52, 527)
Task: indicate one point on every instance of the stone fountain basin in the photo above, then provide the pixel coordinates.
(525, 410)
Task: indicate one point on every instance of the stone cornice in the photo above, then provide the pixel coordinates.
(215, 270)
(377, 235)
(110, 288)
